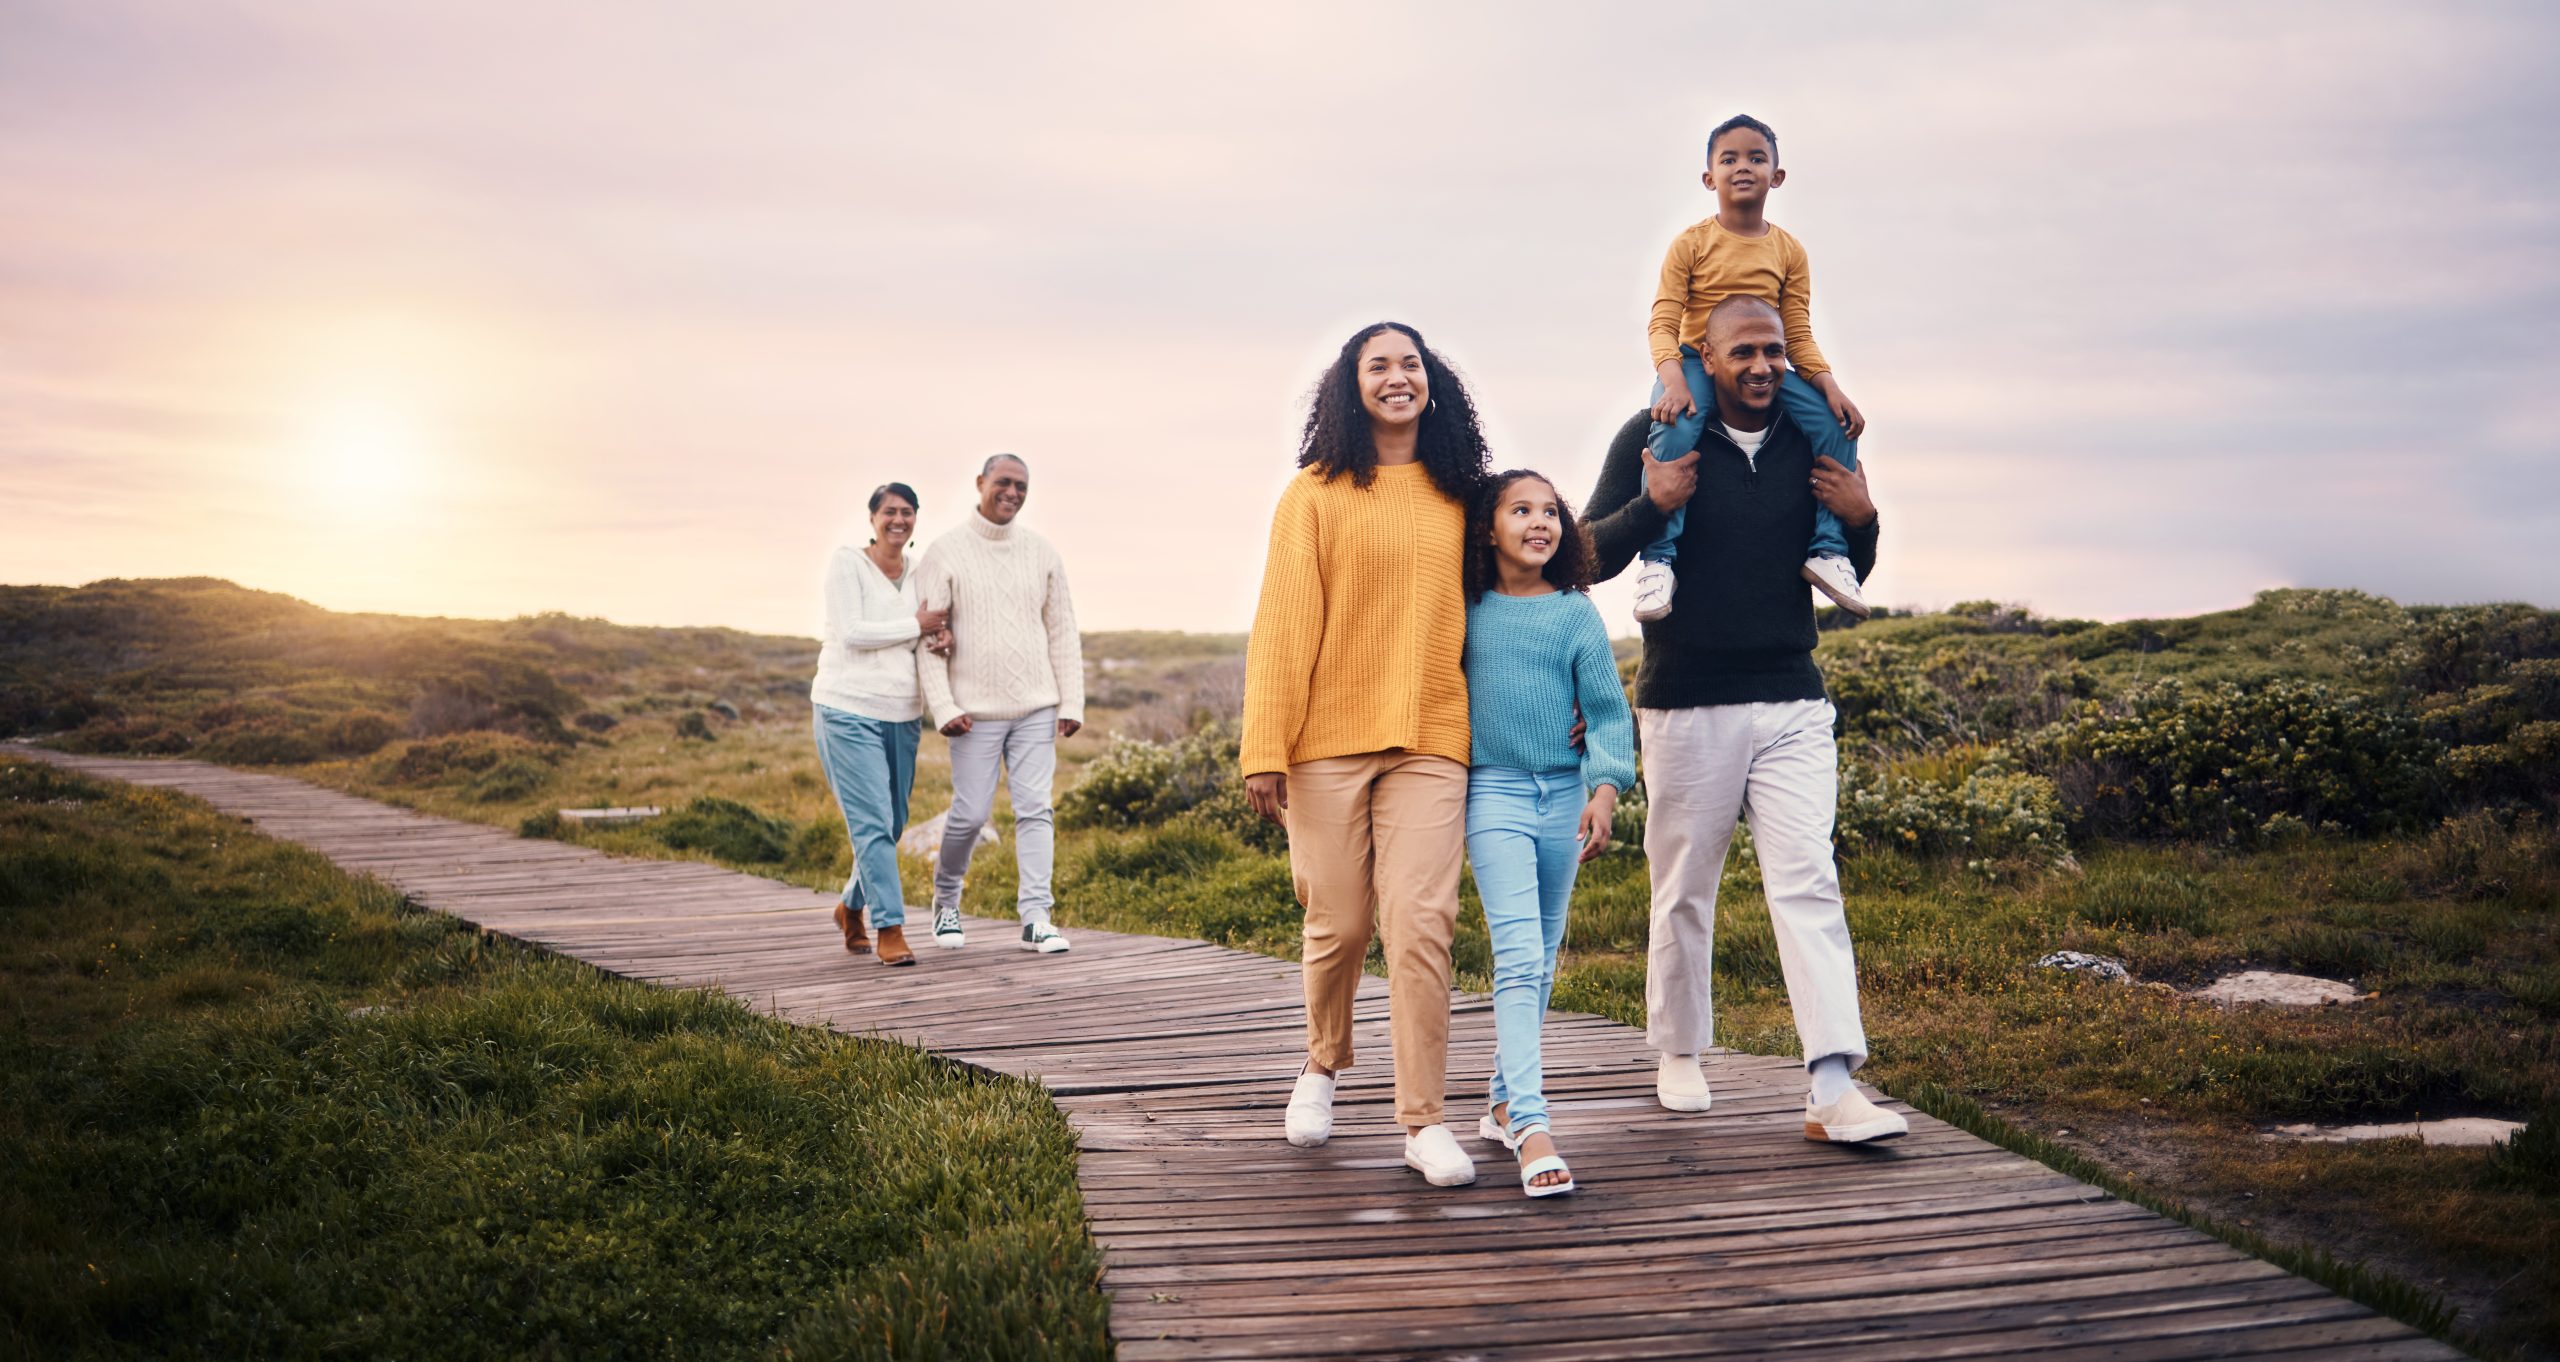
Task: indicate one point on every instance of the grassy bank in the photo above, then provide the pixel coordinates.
(250, 1107)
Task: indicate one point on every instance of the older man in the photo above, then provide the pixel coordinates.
(1733, 717)
(1010, 686)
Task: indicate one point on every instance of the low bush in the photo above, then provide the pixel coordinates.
(360, 734)
(425, 763)
(509, 780)
(726, 829)
(695, 728)
(2216, 762)
(1139, 784)
(265, 743)
(1983, 811)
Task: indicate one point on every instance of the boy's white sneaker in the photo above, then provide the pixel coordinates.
(1832, 576)
(946, 929)
(1680, 1084)
(1041, 937)
(1654, 585)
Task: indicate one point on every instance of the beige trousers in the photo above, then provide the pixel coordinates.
(1376, 839)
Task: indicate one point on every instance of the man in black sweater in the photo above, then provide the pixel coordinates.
(1733, 718)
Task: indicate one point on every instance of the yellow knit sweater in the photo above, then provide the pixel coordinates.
(1359, 643)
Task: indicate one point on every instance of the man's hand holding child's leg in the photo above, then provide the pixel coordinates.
(1676, 400)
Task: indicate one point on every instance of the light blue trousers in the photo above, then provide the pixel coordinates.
(1521, 842)
(1803, 403)
(871, 765)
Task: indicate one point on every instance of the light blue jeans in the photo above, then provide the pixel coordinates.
(871, 765)
(1804, 405)
(1521, 842)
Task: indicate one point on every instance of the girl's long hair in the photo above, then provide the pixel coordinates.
(1449, 443)
(1570, 570)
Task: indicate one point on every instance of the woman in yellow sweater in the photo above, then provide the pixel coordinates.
(1355, 713)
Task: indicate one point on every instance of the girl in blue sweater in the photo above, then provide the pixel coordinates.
(1536, 808)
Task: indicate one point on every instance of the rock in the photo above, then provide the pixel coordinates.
(2081, 962)
(2464, 1131)
(2283, 990)
(605, 817)
(925, 838)
(725, 710)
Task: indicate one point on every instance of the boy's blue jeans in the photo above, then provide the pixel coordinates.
(1521, 841)
(1803, 404)
(871, 765)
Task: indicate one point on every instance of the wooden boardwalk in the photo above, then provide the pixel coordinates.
(1725, 1235)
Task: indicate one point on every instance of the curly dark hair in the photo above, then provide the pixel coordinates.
(1570, 570)
(1450, 442)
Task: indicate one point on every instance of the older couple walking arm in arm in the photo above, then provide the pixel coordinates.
(982, 635)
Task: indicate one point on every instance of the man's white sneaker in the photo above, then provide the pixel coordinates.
(1832, 576)
(1310, 1117)
(1851, 1120)
(1654, 585)
(1434, 1153)
(1680, 1084)
(1041, 937)
(946, 929)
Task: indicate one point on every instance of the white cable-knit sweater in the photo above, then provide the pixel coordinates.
(867, 659)
(1013, 627)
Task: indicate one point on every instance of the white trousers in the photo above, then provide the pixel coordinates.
(1775, 764)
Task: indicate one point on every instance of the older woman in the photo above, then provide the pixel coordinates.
(1355, 714)
(866, 708)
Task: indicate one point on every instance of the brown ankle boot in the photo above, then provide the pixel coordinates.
(893, 947)
(854, 940)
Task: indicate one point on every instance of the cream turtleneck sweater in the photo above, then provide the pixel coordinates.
(1015, 648)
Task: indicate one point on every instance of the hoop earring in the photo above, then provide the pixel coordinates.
(1431, 406)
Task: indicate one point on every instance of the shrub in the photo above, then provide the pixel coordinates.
(143, 736)
(510, 779)
(261, 744)
(2530, 1158)
(694, 728)
(423, 763)
(1982, 811)
(596, 721)
(1139, 784)
(360, 734)
(2216, 762)
(727, 829)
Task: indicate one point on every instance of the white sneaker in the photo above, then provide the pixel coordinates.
(1680, 1084)
(1832, 576)
(1654, 585)
(1310, 1117)
(1851, 1120)
(1434, 1153)
(1041, 937)
(946, 929)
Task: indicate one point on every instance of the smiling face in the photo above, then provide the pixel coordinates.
(1003, 488)
(1392, 385)
(1528, 524)
(1746, 353)
(894, 522)
(1742, 168)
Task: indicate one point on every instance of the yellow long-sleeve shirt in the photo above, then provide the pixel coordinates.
(1359, 642)
(1707, 264)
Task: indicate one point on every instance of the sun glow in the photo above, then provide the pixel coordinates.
(365, 456)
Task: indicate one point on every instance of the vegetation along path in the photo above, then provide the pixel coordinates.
(1727, 1235)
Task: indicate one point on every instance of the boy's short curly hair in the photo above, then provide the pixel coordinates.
(1572, 567)
(1739, 121)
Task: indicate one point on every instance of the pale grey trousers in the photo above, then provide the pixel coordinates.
(1026, 749)
(1777, 765)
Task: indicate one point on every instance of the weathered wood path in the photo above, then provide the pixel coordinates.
(1724, 1235)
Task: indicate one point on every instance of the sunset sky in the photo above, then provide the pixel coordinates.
(483, 309)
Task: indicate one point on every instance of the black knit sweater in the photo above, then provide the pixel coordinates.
(1741, 623)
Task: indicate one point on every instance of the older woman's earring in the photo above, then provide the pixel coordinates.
(1431, 405)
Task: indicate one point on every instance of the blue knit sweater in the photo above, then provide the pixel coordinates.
(1529, 660)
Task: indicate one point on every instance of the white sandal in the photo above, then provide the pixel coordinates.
(1550, 1164)
(1488, 1128)
(1434, 1153)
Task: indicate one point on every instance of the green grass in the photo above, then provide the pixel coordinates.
(252, 1107)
